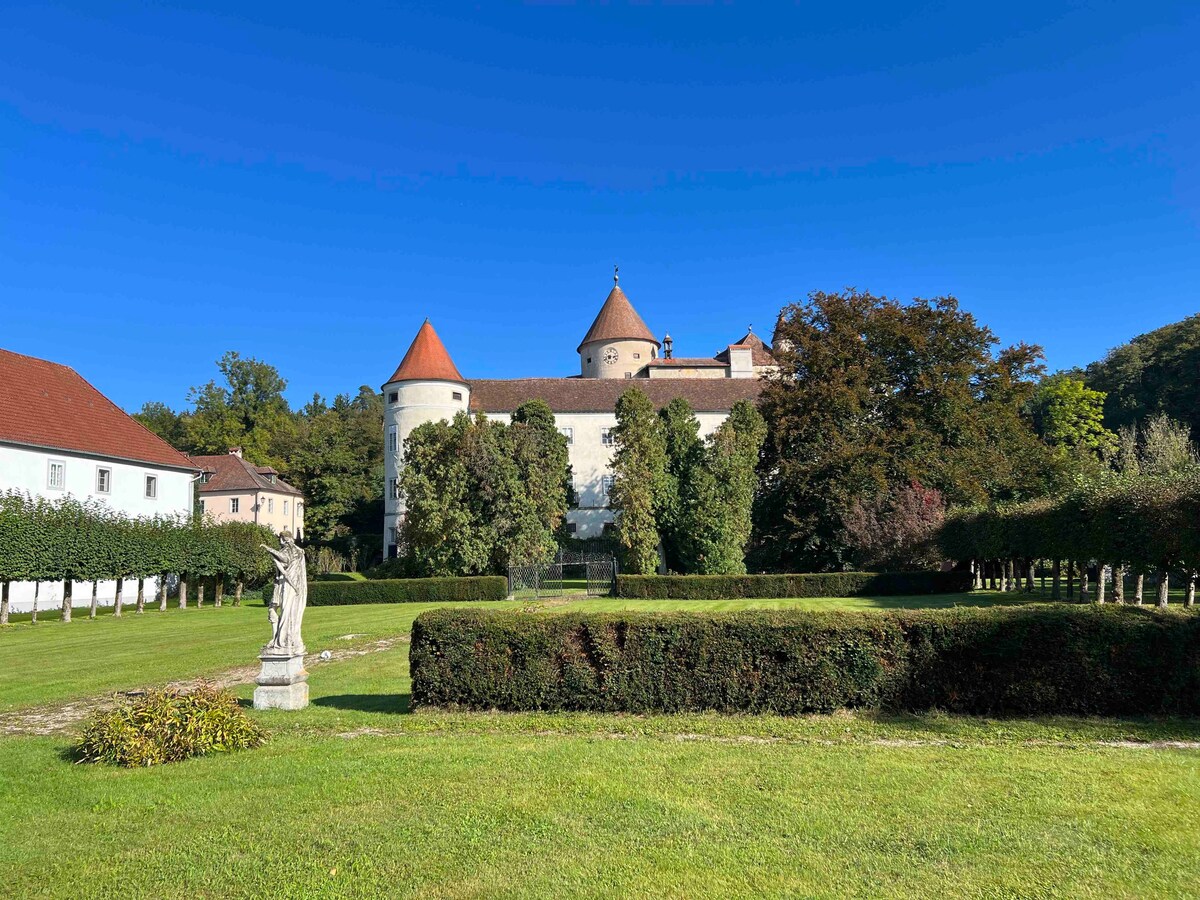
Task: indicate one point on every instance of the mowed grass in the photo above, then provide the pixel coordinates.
(358, 797)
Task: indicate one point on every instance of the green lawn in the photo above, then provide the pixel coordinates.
(355, 796)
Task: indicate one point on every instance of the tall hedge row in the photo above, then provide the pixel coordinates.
(407, 590)
(1147, 522)
(68, 540)
(822, 584)
(1036, 660)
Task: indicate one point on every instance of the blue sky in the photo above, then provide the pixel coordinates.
(305, 183)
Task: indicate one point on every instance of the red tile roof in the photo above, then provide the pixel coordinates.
(45, 404)
(688, 362)
(617, 320)
(600, 394)
(426, 360)
(232, 473)
(760, 353)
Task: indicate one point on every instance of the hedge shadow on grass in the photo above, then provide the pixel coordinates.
(396, 704)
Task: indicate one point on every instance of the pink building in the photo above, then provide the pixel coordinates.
(233, 489)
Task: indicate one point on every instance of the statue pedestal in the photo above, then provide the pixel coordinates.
(282, 683)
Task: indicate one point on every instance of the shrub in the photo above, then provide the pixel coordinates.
(823, 584)
(407, 590)
(1030, 660)
(167, 726)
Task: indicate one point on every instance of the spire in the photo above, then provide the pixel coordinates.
(426, 359)
(616, 277)
(617, 320)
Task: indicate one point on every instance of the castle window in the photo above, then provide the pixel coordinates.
(606, 437)
(457, 395)
(571, 528)
(56, 475)
(628, 374)
(271, 504)
(393, 396)
(103, 481)
(393, 439)
(606, 486)
(637, 356)
(235, 504)
(569, 434)
(151, 487)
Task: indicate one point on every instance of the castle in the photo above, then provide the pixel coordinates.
(617, 349)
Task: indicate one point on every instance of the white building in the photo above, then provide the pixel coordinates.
(61, 437)
(616, 350)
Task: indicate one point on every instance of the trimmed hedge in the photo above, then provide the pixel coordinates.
(1035, 660)
(407, 590)
(822, 584)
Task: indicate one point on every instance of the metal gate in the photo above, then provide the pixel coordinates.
(568, 575)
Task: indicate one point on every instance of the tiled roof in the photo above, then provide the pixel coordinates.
(760, 354)
(600, 394)
(688, 362)
(232, 473)
(426, 359)
(45, 404)
(617, 320)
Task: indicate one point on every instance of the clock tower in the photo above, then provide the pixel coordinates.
(618, 344)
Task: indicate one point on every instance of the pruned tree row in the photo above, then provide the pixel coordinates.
(1147, 524)
(70, 541)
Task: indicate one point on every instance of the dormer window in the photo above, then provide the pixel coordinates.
(271, 478)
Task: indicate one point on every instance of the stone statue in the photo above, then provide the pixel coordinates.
(283, 681)
(291, 595)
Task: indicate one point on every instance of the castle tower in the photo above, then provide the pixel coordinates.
(618, 344)
(426, 387)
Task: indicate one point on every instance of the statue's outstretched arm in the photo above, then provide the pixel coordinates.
(275, 553)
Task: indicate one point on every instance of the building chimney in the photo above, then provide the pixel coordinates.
(235, 451)
(668, 344)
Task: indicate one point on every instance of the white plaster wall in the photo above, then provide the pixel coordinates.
(417, 402)
(26, 469)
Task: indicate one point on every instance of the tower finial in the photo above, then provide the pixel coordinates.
(616, 277)
(750, 329)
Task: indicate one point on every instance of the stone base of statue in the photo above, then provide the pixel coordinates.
(283, 681)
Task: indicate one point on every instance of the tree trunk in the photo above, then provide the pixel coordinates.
(1043, 576)
(119, 597)
(95, 599)
(1164, 578)
(37, 589)
(1137, 591)
(976, 581)
(1070, 579)
(237, 593)
(992, 574)
(1189, 598)
(1118, 584)
(3, 602)
(1083, 582)
(183, 591)
(68, 598)
(1100, 583)
(141, 597)
(1029, 576)
(218, 591)
(1056, 589)
(162, 592)
(1003, 567)
(199, 593)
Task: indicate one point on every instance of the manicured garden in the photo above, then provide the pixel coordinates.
(355, 796)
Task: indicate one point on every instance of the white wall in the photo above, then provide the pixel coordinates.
(27, 470)
(591, 460)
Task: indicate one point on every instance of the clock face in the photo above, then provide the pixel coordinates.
(610, 356)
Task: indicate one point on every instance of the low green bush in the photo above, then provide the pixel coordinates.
(1035, 660)
(407, 590)
(167, 726)
(820, 584)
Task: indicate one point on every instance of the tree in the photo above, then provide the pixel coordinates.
(896, 530)
(165, 422)
(543, 463)
(873, 393)
(1166, 447)
(248, 410)
(1068, 414)
(639, 480)
(685, 453)
(717, 498)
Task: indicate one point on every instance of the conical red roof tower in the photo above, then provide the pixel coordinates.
(427, 360)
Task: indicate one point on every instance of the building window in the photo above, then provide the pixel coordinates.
(606, 485)
(393, 397)
(589, 360)
(56, 475)
(205, 477)
(606, 437)
(569, 433)
(393, 439)
(628, 374)
(394, 488)
(235, 504)
(285, 506)
(271, 478)
(271, 505)
(571, 528)
(637, 356)
(151, 487)
(103, 480)
(201, 507)
(456, 395)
